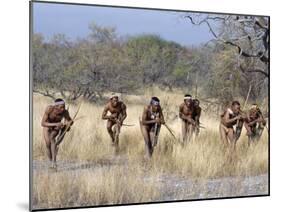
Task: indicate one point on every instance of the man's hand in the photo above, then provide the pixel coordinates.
(157, 120)
(59, 125)
(119, 123)
(260, 120)
(243, 116)
(70, 122)
(249, 133)
(238, 117)
(112, 116)
(191, 121)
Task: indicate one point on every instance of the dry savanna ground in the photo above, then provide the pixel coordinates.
(90, 173)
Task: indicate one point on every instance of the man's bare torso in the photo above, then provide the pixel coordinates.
(54, 117)
(185, 110)
(115, 110)
(228, 112)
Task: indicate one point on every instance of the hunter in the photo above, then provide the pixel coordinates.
(254, 124)
(115, 119)
(232, 117)
(150, 124)
(186, 114)
(53, 128)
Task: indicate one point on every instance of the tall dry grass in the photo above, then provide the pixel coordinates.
(128, 177)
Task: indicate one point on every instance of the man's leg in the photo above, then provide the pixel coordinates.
(238, 130)
(197, 128)
(184, 131)
(46, 135)
(250, 139)
(231, 138)
(154, 138)
(190, 131)
(256, 135)
(223, 135)
(54, 151)
(259, 131)
(148, 145)
(60, 137)
(116, 133)
(109, 130)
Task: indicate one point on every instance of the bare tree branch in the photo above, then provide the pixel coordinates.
(246, 24)
(257, 70)
(45, 93)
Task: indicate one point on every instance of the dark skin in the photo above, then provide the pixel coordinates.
(116, 118)
(186, 112)
(52, 125)
(254, 124)
(196, 116)
(228, 121)
(151, 121)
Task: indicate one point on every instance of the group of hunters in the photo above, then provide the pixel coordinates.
(232, 121)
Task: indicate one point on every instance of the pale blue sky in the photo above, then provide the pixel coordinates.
(73, 21)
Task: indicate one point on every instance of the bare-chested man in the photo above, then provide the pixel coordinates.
(254, 124)
(196, 115)
(53, 127)
(186, 111)
(116, 118)
(150, 123)
(230, 118)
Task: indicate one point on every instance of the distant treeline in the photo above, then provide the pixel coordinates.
(106, 62)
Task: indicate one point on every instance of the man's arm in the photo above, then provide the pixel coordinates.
(227, 120)
(198, 114)
(104, 113)
(252, 123)
(68, 118)
(258, 120)
(124, 113)
(181, 115)
(162, 120)
(261, 118)
(248, 128)
(184, 117)
(44, 121)
(248, 122)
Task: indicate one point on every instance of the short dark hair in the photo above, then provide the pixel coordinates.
(235, 103)
(196, 100)
(187, 95)
(155, 99)
(59, 100)
(114, 97)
